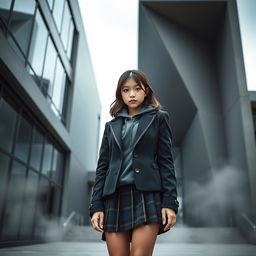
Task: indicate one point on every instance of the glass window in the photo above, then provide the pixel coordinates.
(23, 140)
(58, 12)
(38, 45)
(14, 202)
(4, 160)
(58, 88)
(47, 159)
(70, 39)
(21, 22)
(50, 3)
(54, 200)
(29, 203)
(13, 43)
(8, 118)
(41, 207)
(65, 103)
(65, 25)
(57, 167)
(2, 28)
(49, 69)
(36, 150)
(5, 6)
(24, 206)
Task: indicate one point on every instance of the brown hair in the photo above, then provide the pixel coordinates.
(140, 78)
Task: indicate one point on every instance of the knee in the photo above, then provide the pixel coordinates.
(139, 252)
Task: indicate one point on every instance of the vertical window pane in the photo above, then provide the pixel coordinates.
(23, 139)
(16, 48)
(21, 22)
(54, 200)
(57, 167)
(36, 150)
(4, 160)
(59, 86)
(65, 25)
(49, 69)
(57, 12)
(70, 39)
(38, 44)
(8, 118)
(41, 207)
(29, 206)
(47, 159)
(50, 3)
(5, 6)
(65, 102)
(14, 202)
(2, 27)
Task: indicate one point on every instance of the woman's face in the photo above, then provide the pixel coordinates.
(132, 94)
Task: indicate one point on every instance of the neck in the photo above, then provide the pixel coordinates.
(133, 111)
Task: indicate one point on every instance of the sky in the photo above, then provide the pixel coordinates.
(247, 19)
(111, 31)
(111, 28)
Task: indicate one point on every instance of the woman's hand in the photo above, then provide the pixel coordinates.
(97, 221)
(171, 218)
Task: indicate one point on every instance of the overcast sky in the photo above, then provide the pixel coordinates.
(111, 30)
(111, 27)
(247, 19)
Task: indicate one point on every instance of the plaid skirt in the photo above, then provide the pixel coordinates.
(128, 207)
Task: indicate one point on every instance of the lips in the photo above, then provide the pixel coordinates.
(133, 101)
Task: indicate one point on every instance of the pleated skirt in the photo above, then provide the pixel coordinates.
(128, 207)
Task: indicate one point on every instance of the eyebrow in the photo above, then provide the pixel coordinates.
(130, 86)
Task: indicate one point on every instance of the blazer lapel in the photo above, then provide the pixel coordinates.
(144, 122)
(116, 129)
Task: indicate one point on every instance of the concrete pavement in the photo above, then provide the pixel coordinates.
(100, 249)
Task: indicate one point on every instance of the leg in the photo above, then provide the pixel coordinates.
(118, 243)
(143, 239)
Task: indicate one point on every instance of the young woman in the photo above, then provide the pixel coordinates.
(134, 197)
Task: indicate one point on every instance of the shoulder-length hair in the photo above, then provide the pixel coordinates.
(140, 78)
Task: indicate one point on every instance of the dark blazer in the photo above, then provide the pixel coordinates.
(152, 160)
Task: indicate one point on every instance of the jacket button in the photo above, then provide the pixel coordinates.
(137, 170)
(135, 154)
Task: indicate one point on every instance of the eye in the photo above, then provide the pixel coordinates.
(125, 90)
(138, 88)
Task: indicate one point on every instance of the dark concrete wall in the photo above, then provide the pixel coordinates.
(197, 75)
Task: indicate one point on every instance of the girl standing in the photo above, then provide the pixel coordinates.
(134, 197)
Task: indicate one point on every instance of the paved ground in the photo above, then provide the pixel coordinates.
(99, 249)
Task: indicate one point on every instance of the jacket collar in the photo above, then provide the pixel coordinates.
(143, 123)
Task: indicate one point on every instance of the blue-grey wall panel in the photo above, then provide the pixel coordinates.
(199, 44)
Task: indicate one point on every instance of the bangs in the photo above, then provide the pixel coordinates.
(134, 77)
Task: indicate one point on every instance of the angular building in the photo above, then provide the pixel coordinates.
(49, 118)
(192, 52)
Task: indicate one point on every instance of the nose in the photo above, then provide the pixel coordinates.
(132, 93)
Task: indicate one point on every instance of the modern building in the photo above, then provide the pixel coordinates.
(192, 52)
(49, 118)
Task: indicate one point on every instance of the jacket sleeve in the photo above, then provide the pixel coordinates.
(96, 203)
(166, 165)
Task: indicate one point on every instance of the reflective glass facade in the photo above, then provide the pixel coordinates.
(31, 172)
(32, 164)
(27, 30)
(48, 140)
